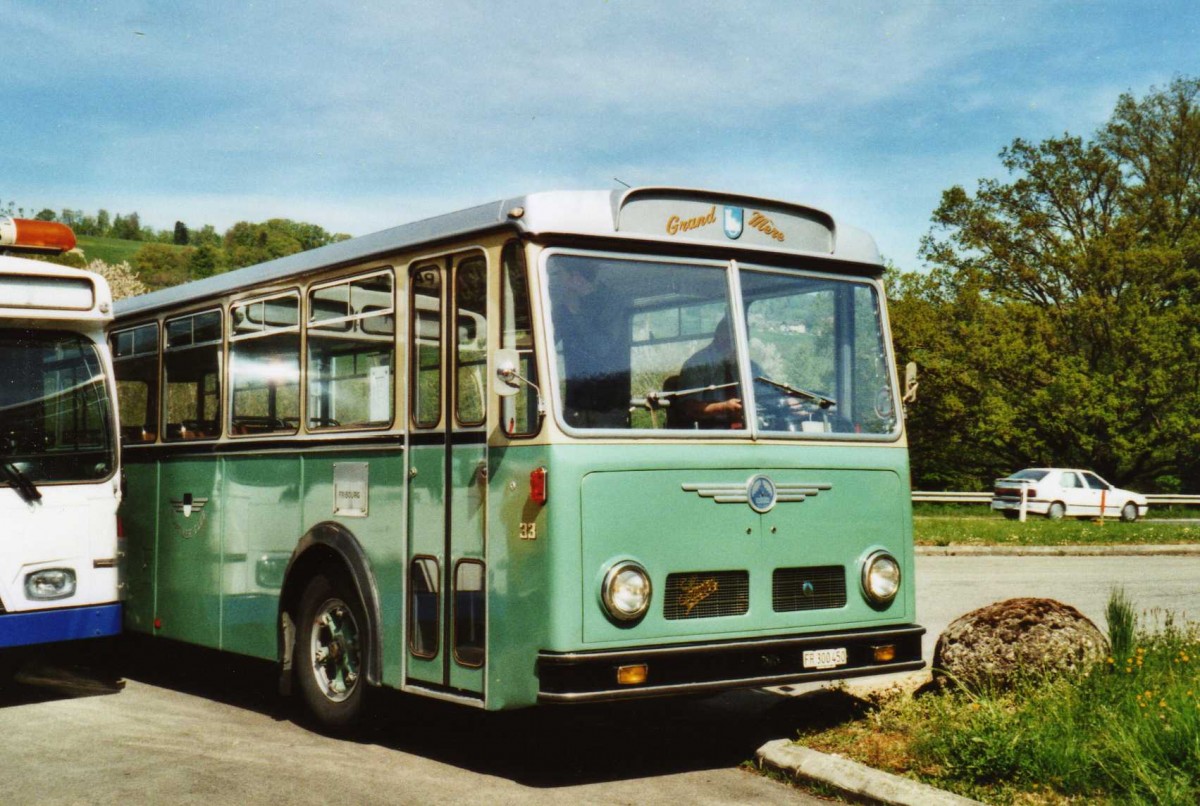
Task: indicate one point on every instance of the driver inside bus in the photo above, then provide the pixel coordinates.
(712, 371)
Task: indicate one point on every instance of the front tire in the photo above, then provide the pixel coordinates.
(1057, 511)
(1011, 514)
(330, 653)
(1129, 512)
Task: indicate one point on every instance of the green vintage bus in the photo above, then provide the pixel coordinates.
(568, 447)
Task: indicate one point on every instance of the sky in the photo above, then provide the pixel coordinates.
(358, 116)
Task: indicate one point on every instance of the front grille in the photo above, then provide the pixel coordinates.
(818, 588)
(707, 594)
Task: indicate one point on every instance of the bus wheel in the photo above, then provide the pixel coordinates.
(329, 653)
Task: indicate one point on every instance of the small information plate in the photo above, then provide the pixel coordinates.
(350, 489)
(824, 658)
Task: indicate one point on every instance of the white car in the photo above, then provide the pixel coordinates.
(1059, 493)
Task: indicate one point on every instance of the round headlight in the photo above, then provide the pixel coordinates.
(881, 578)
(626, 591)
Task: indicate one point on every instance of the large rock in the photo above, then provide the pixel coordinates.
(998, 644)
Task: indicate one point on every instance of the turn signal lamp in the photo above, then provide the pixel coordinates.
(537, 485)
(35, 236)
(632, 675)
(885, 653)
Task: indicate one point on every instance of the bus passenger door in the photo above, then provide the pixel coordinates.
(446, 611)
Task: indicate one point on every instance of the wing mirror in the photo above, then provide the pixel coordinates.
(508, 381)
(910, 382)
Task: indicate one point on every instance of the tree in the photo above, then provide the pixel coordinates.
(205, 261)
(181, 234)
(127, 228)
(1066, 297)
(160, 265)
(46, 214)
(247, 244)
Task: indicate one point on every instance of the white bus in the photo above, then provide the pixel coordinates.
(59, 452)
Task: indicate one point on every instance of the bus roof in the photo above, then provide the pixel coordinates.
(649, 214)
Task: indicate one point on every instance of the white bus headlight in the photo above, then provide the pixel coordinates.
(626, 591)
(881, 578)
(50, 583)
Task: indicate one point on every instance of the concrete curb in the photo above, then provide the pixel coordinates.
(1165, 550)
(852, 779)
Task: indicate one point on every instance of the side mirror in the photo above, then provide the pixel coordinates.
(508, 382)
(910, 382)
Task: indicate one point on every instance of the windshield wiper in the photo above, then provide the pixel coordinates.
(820, 400)
(653, 398)
(20, 482)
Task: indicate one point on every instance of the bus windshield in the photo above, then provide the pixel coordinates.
(655, 345)
(55, 414)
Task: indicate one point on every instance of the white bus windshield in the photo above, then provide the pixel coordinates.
(55, 414)
(652, 345)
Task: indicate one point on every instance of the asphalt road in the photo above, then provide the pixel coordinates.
(951, 586)
(194, 727)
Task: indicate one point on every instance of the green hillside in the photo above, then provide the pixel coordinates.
(110, 250)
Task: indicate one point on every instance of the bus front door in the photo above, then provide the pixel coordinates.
(447, 478)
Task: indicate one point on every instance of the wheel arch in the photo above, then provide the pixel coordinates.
(327, 547)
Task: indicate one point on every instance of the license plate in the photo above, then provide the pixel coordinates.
(824, 658)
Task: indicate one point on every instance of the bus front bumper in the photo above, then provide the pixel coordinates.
(688, 668)
(66, 624)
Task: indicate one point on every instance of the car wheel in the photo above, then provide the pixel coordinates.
(330, 651)
(1129, 512)
(1010, 514)
(1056, 511)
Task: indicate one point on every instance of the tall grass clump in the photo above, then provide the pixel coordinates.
(1122, 623)
(1125, 731)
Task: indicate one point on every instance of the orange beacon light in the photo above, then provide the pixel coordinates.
(24, 234)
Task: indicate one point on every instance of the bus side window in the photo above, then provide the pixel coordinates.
(264, 365)
(519, 412)
(351, 331)
(470, 341)
(470, 622)
(424, 624)
(192, 376)
(135, 364)
(425, 351)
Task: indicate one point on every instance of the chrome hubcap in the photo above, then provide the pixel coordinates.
(334, 650)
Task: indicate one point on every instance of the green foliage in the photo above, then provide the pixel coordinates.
(1127, 731)
(161, 265)
(168, 257)
(247, 244)
(1059, 324)
(1122, 623)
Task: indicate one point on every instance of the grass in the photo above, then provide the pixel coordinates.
(1127, 731)
(110, 250)
(976, 525)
